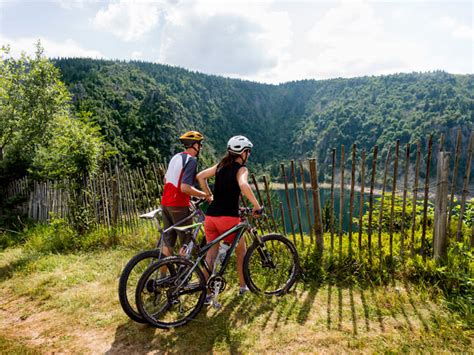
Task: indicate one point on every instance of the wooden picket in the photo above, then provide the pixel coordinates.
(116, 196)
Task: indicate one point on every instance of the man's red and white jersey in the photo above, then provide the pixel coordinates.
(181, 169)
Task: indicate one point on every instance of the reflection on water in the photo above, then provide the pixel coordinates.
(325, 195)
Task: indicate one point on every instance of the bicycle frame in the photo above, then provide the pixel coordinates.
(192, 215)
(197, 228)
(240, 229)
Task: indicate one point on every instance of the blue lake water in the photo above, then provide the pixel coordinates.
(325, 195)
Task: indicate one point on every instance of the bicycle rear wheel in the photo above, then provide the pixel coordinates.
(170, 293)
(271, 267)
(129, 280)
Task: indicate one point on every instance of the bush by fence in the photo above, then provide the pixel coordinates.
(404, 201)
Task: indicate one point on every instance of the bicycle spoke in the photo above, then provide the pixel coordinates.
(271, 267)
(174, 298)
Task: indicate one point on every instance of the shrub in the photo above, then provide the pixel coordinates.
(58, 237)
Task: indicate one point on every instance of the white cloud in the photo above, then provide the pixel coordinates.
(52, 49)
(129, 20)
(235, 39)
(456, 29)
(350, 40)
(74, 4)
(137, 54)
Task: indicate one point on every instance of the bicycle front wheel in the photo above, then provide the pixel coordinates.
(271, 266)
(170, 292)
(129, 280)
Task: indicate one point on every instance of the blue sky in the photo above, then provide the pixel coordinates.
(266, 41)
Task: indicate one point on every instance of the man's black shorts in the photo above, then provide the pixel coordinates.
(171, 215)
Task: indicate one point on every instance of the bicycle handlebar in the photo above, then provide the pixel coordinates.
(197, 202)
(246, 211)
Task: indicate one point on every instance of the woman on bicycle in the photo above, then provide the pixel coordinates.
(223, 212)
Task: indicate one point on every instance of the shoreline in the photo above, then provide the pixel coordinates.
(347, 187)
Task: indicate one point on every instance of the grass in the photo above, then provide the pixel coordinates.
(67, 302)
(13, 347)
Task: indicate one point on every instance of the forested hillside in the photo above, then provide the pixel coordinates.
(142, 107)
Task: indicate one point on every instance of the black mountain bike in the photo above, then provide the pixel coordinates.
(172, 291)
(140, 262)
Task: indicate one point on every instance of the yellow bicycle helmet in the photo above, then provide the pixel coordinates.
(191, 137)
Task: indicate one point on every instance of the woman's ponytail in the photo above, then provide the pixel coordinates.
(227, 160)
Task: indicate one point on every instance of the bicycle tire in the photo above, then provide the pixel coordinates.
(125, 288)
(156, 295)
(278, 258)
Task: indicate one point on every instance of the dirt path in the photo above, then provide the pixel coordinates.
(48, 331)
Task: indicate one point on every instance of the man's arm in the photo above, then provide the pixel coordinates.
(187, 181)
(192, 191)
(202, 178)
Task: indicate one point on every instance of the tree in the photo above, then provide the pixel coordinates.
(72, 151)
(31, 97)
(38, 131)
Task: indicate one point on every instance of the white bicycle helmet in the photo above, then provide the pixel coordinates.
(238, 144)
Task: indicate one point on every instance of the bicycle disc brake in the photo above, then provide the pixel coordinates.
(216, 284)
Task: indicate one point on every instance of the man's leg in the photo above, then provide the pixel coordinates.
(169, 238)
(178, 214)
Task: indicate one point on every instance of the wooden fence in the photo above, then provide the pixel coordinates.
(381, 177)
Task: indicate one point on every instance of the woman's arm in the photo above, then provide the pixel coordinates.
(242, 179)
(205, 175)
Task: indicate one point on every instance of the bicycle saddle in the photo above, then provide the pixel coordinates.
(152, 214)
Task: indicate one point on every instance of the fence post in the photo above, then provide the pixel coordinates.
(404, 204)
(425, 201)
(341, 200)
(371, 201)
(287, 194)
(351, 199)
(382, 199)
(394, 190)
(318, 223)
(264, 222)
(306, 200)
(269, 202)
(465, 187)
(455, 175)
(441, 205)
(282, 215)
(115, 198)
(332, 197)
(297, 200)
(361, 206)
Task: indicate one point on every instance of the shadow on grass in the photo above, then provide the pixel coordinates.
(415, 308)
(210, 329)
(352, 309)
(130, 337)
(8, 270)
(307, 304)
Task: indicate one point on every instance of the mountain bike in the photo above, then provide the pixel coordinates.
(172, 291)
(138, 264)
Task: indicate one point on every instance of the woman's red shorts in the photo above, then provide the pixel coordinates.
(215, 226)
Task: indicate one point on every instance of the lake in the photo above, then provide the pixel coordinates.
(325, 195)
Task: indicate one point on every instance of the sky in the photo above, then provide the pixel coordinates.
(261, 40)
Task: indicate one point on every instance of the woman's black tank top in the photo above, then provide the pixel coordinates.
(226, 192)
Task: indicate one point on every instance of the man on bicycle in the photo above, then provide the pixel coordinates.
(179, 180)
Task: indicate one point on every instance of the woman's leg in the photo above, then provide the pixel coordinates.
(211, 258)
(211, 233)
(240, 251)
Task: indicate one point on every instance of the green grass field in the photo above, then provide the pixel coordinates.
(67, 302)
